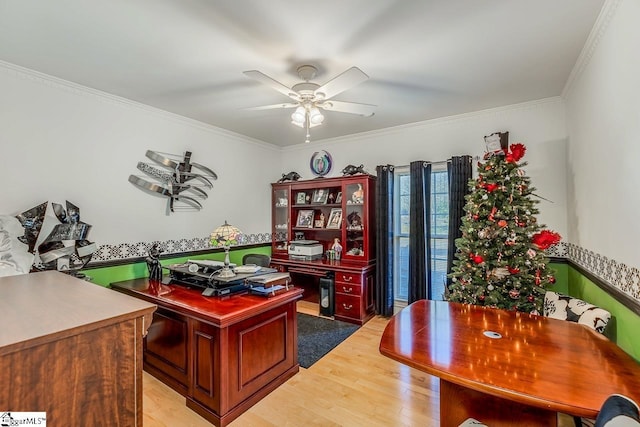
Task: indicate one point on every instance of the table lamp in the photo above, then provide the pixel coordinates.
(225, 236)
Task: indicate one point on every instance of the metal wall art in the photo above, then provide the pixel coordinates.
(180, 180)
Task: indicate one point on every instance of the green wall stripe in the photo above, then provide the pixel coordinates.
(104, 276)
(625, 323)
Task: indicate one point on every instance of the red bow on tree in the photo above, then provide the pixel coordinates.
(515, 153)
(545, 238)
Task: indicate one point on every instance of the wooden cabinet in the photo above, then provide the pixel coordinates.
(223, 354)
(325, 210)
(71, 349)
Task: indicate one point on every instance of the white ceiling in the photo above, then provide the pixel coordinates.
(425, 58)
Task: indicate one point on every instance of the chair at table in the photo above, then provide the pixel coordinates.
(565, 307)
(257, 259)
(618, 411)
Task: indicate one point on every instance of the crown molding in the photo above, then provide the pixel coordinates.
(77, 89)
(440, 121)
(598, 31)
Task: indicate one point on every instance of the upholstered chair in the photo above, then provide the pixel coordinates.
(565, 307)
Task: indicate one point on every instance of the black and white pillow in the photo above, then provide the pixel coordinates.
(565, 307)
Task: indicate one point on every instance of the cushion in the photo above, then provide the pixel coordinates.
(565, 307)
(472, 422)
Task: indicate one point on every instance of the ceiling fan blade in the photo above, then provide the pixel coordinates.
(365, 110)
(340, 83)
(263, 78)
(272, 106)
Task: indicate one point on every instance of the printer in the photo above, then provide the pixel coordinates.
(305, 250)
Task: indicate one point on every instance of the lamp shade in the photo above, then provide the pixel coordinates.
(315, 116)
(299, 115)
(225, 235)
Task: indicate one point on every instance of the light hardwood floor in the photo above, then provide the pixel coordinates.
(353, 385)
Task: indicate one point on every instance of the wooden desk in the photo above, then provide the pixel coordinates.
(354, 284)
(223, 354)
(72, 349)
(539, 367)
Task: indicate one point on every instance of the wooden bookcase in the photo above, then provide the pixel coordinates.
(326, 209)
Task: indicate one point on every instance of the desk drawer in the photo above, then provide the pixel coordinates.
(348, 288)
(348, 306)
(347, 277)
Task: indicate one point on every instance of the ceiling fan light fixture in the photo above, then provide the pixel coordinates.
(299, 115)
(315, 116)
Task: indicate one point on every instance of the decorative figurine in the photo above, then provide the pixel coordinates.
(355, 221)
(336, 248)
(358, 195)
(353, 170)
(291, 176)
(153, 263)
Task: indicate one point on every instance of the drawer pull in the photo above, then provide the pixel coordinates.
(347, 278)
(347, 290)
(347, 307)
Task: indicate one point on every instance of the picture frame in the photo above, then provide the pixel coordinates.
(305, 219)
(335, 218)
(320, 195)
(301, 198)
(339, 197)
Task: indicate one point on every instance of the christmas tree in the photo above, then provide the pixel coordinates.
(501, 261)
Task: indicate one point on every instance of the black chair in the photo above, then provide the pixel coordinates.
(257, 259)
(618, 411)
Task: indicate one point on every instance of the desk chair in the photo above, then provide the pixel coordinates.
(565, 307)
(618, 411)
(258, 259)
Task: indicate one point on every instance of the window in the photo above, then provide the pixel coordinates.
(439, 231)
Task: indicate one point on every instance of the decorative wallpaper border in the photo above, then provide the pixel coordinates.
(124, 251)
(616, 274)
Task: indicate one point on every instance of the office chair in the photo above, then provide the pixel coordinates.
(618, 411)
(258, 259)
(565, 307)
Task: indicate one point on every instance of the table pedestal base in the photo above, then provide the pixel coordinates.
(458, 403)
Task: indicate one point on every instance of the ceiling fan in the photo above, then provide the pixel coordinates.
(310, 97)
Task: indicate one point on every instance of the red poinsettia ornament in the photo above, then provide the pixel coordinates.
(515, 153)
(545, 239)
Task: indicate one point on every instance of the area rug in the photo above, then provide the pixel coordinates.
(318, 336)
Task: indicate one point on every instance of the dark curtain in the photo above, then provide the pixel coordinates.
(459, 170)
(419, 231)
(384, 241)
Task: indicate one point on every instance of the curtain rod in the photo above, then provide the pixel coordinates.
(441, 162)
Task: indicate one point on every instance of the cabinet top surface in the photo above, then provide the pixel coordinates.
(50, 303)
(217, 310)
(320, 182)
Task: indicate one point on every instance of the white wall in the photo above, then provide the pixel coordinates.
(60, 141)
(603, 119)
(540, 125)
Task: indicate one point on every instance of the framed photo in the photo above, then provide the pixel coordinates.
(305, 219)
(301, 198)
(339, 197)
(320, 195)
(335, 218)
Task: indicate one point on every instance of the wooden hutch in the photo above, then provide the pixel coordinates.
(326, 209)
